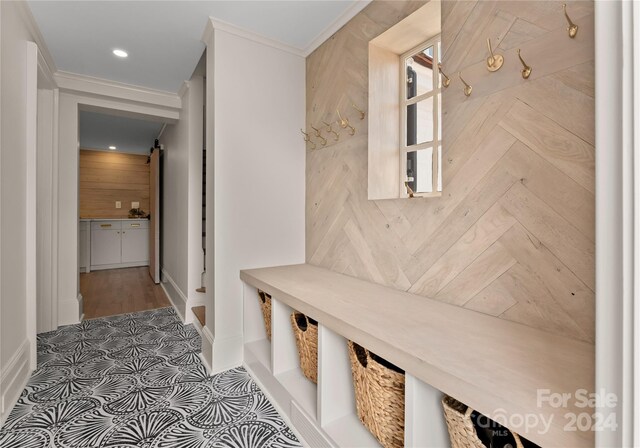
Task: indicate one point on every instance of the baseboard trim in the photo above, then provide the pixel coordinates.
(119, 265)
(227, 353)
(165, 277)
(13, 379)
(70, 311)
(172, 300)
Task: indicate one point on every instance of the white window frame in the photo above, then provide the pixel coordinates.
(435, 93)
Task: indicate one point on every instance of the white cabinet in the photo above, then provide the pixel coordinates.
(119, 243)
(135, 245)
(105, 247)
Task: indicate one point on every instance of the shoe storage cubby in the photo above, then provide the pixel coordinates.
(324, 414)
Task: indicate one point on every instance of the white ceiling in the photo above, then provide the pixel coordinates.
(163, 37)
(99, 131)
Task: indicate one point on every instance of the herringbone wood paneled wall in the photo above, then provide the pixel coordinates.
(513, 233)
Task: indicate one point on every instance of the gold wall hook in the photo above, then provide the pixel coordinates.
(410, 192)
(362, 114)
(323, 141)
(330, 130)
(526, 70)
(494, 61)
(467, 87)
(446, 81)
(344, 123)
(307, 139)
(572, 28)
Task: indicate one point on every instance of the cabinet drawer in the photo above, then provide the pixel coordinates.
(106, 225)
(137, 224)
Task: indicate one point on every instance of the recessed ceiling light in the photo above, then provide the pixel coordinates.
(112, 148)
(120, 53)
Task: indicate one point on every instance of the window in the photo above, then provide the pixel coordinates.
(420, 119)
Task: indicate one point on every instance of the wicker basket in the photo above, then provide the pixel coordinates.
(306, 333)
(462, 431)
(265, 304)
(379, 391)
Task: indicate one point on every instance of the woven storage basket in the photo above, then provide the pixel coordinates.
(379, 391)
(265, 304)
(462, 431)
(306, 333)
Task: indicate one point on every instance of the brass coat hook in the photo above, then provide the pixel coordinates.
(494, 61)
(362, 114)
(572, 28)
(323, 141)
(330, 130)
(344, 123)
(307, 139)
(526, 70)
(467, 87)
(410, 192)
(446, 81)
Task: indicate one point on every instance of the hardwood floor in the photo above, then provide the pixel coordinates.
(119, 291)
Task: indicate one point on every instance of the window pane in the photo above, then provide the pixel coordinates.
(420, 170)
(439, 167)
(439, 136)
(420, 122)
(420, 73)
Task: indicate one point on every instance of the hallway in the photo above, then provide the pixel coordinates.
(118, 291)
(137, 380)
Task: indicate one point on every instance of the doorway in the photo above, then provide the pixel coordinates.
(119, 213)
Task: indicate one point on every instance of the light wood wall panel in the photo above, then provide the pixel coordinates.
(107, 177)
(513, 233)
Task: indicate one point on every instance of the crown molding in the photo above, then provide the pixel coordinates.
(34, 30)
(72, 82)
(215, 24)
(183, 89)
(334, 26)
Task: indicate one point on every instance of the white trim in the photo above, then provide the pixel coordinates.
(227, 353)
(334, 26)
(31, 205)
(207, 344)
(635, 369)
(72, 82)
(54, 210)
(102, 267)
(168, 277)
(13, 379)
(166, 291)
(183, 89)
(614, 157)
(35, 33)
(216, 24)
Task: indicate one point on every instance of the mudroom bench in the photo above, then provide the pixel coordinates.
(495, 366)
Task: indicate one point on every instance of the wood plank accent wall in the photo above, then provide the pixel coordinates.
(513, 233)
(107, 177)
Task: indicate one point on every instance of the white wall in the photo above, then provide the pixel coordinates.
(14, 282)
(258, 97)
(182, 200)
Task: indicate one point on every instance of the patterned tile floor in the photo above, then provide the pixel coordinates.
(136, 380)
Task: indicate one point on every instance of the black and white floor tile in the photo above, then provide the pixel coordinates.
(136, 380)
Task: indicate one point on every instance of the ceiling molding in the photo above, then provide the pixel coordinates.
(215, 24)
(183, 89)
(334, 26)
(32, 26)
(72, 82)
